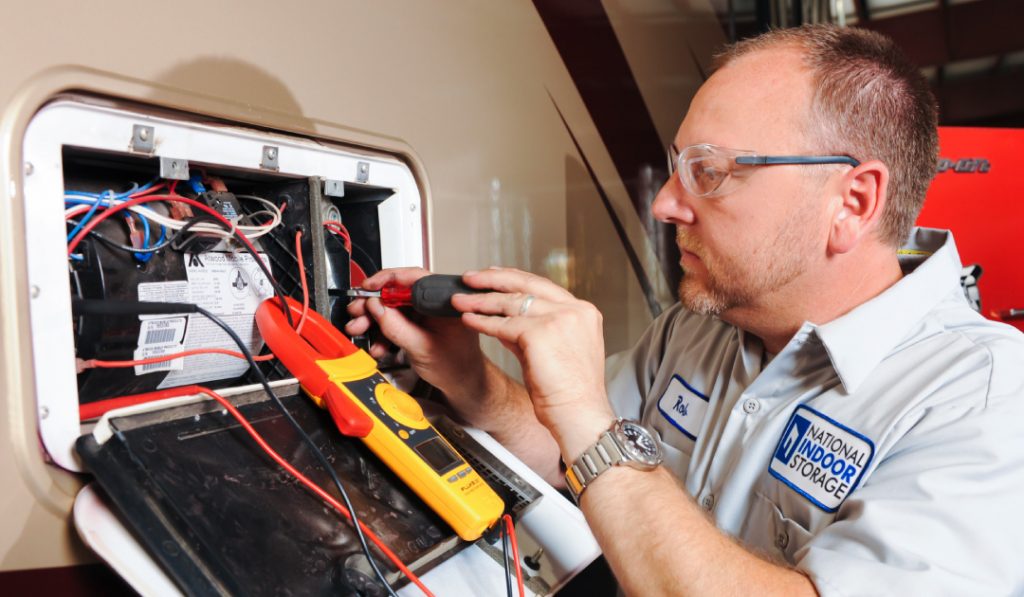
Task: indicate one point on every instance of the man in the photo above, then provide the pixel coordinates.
(833, 416)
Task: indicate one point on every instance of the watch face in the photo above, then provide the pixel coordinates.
(639, 443)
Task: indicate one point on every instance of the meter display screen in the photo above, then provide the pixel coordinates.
(438, 455)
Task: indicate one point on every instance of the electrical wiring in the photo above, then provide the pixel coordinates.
(316, 489)
(249, 231)
(511, 529)
(246, 243)
(504, 556)
(99, 364)
(161, 243)
(356, 273)
(308, 440)
(136, 190)
(302, 276)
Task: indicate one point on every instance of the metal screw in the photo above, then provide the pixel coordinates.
(44, 412)
(412, 207)
(143, 134)
(271, 153)
(29, 168)
(34, 292)
(533, 561)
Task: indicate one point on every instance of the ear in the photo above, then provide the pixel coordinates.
(862, 198)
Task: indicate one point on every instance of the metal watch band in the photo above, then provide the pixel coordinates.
(595, 460)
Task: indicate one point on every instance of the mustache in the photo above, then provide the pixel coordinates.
(689, 243)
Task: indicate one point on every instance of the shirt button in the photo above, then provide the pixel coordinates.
(782, 540)
(708, 502)
(751, 406)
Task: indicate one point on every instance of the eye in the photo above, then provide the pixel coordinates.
(707, 176)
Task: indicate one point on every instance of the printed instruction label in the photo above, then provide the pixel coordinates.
(230, 285)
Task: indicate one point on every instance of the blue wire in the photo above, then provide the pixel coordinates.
(88, 216)
(144, 257)
(197, 185)
(97, 199)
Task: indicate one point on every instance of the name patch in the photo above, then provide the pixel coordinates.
(820, 458)
(683, 406)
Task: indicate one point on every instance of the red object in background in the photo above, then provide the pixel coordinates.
(979, 195)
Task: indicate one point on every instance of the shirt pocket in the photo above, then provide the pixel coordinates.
(770, 530)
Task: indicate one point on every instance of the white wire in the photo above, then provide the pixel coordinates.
(250, 232)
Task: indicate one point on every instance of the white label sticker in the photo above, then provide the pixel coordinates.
(683, 406)
(820, 459)
(230, 285)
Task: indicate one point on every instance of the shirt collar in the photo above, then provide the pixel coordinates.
(858, 341)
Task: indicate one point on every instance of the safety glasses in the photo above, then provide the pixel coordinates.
(707, 170)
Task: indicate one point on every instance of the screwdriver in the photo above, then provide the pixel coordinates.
(430, 295)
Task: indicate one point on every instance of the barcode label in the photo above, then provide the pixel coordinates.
(157, 338)
(160, 336)
(151, 367)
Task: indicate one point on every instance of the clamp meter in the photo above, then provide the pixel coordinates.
(344, 379)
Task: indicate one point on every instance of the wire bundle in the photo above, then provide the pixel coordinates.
(80, 202)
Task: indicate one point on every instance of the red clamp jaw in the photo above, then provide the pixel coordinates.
(318, 357)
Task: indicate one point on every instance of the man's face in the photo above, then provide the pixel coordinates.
(741, 248)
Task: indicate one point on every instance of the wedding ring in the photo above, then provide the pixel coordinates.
(526, 304)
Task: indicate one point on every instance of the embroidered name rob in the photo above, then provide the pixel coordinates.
(820, 458)
(683, 406)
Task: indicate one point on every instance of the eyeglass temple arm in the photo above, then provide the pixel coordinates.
(779, 160)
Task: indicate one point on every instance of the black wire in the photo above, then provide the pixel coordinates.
(305, 437)
(263, 266)
(504, 553)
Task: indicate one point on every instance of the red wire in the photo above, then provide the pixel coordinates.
(313, 486)
(149, 191)
(511, 530)
(356, 274)
(95, 410)
(149, 198)
(302, 276)
(95, 363)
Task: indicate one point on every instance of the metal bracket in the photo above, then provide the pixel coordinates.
(334, 188)
(362, 171)
(270, 155)
(142, 138)
(173, 168)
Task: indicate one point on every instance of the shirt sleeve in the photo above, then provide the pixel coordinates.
(941, 513)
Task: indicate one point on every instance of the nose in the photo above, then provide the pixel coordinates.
(672, 203)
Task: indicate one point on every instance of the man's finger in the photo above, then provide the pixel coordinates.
(358, 326)
(506, 329)
(497, 303)
(405, 276)
(396, 327)
(513, 281)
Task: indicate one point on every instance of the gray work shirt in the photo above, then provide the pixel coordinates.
(881, 452)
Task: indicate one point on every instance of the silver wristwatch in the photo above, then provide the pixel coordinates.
(626, 442)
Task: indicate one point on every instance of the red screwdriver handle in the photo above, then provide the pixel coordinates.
(396, 295)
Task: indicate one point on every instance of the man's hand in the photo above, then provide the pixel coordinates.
(559, 342)
(442, 351)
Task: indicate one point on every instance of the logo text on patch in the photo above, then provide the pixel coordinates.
(820, 458)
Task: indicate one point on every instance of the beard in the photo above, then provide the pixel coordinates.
(733, 281)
